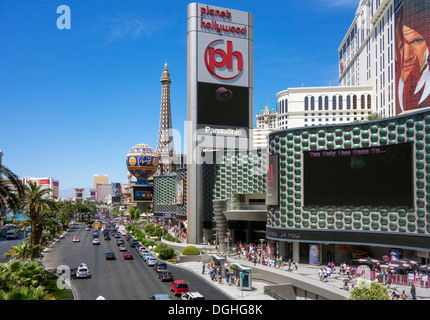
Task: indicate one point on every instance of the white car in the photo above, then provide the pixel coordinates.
(96, 241)
(122, 248)
(83, 271)
(192, 296)
(151, 261)
(76, 239)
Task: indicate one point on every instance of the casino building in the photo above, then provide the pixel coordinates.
(345, 188)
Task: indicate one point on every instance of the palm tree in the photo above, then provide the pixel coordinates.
(20, 251)
(11, 189)
(374, 116)
(36, 202)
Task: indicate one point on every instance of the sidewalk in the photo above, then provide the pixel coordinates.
(307, 272)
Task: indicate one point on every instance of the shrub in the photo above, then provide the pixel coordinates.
(190, 251)
(366, 290)
(166, 253)
(159, 247)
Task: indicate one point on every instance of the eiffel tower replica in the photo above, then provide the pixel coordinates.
(165, 145)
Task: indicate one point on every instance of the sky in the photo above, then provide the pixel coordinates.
(74, 101)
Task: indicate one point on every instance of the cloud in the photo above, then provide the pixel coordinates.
(124, 27)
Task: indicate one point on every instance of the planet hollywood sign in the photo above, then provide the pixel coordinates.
(220, 70)
(213, 25)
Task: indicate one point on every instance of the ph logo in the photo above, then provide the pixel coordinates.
(223, 69)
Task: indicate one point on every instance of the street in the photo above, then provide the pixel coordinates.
(115, 279)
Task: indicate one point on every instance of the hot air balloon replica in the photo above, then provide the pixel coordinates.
(142, 163)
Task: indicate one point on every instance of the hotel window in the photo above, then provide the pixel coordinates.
(340, 102)
(312, 103)
(333, 102)
(306, 103)
(326, 102)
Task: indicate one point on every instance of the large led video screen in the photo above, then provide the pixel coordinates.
(143, 193)
(376, 176)
(223, 105)
(412, 41)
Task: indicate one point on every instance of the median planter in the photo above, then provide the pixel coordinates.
(190, 251)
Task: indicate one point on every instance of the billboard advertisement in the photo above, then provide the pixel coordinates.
(180, 192)
(116, 200)
(374, 176)
(272, 180)
(412, 30)
(116, 189)
(142, 193)
(220, 69)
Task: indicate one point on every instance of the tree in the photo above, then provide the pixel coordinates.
(36, 203)
(11, 189)
(374, 116)
(366, 290)
(21, 251)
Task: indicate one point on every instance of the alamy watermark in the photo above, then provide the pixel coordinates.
(64, 21)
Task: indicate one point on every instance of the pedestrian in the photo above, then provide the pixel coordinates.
(289, 264)
(203, 267)
(347, 270)
(324, 275)
(320, 274)
(404, 296)
(413, 292)
(295, 265)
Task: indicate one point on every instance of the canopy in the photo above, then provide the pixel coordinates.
(368, 260)
(425, 268)
(397, 264)
(409, 261)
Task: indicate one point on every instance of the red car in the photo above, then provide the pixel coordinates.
(128, 256)
(179, 287)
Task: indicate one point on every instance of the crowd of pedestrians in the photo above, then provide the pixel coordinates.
(216, 275)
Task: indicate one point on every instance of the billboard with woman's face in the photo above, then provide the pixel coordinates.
(412, 54)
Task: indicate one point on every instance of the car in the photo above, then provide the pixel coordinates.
(117, 235)
(122, 248)
(151, 261)
(87, 228)
(76, 239)
(160, 296)
(119, 242)
(192, 296)
(145, 255)
(107, 237)
(12, 234)
(96, 241)
(127, 255)
(133, 243)
(179, 287)
(159, 266)
(138, 246)
(165, 275)
(110, 256)
(83, 271)
(143, 251)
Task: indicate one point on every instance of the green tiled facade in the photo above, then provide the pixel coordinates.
(164, 194)
(291, 215)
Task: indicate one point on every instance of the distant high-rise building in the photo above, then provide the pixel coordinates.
(100, 179)
(45, 183)
(104, 192)
(165, 144)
